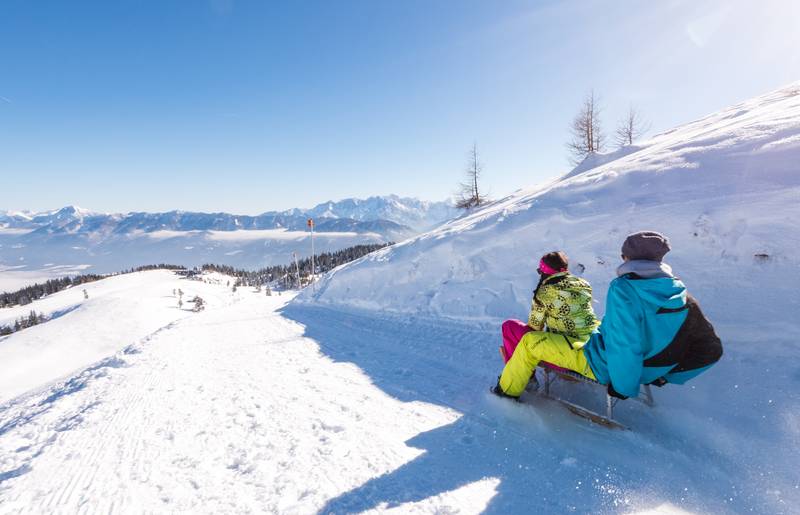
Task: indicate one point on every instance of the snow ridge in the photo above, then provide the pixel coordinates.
(721, 188)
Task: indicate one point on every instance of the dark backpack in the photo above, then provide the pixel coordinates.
(694, 346)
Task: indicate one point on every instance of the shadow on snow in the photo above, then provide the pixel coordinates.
(547, 460)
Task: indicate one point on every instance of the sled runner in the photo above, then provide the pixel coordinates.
(553, 373)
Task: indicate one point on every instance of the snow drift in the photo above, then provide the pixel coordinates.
(725, 189)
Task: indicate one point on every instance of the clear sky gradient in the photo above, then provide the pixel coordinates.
(249, 106)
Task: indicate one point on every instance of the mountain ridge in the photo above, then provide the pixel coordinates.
(104, 242)
(391, 215)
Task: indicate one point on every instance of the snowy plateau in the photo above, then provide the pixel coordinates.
(368, 392)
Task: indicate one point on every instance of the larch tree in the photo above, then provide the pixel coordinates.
(631, 128)
(587, 135)
(470, 194)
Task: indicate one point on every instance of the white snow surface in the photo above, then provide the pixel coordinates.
(119, 311)
(227, 410)
(254, 406)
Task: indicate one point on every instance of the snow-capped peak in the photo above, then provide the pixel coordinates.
(73, 210)
(412, 212)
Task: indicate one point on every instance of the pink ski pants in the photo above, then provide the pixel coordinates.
(513, 331)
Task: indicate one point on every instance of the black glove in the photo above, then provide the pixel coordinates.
(660, 382)
(612, 392)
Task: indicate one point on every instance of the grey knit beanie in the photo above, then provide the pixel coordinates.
(647, 245)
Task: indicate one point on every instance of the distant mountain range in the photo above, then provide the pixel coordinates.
(107, 242)
(417, 214)
(392, 216)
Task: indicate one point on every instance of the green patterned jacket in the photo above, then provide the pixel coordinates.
(563, 305)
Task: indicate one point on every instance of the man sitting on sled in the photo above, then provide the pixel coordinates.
(653, 332)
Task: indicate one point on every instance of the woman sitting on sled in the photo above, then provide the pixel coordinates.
(560, 324)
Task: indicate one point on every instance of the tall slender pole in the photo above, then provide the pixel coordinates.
(313, 266)
(297, 267)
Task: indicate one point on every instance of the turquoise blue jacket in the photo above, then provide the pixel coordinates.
(634, 330)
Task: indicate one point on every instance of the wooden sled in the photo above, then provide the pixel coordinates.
(553, 373)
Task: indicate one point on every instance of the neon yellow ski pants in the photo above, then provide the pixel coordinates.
(535, 346)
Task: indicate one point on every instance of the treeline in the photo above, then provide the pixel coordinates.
(145, 268)
(36, 291)
(281, 275)
(22, 323)
(285, 276)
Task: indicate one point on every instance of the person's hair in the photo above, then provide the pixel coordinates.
(556, 260)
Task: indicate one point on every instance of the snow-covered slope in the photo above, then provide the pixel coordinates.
(120, 310)
(14, 219)
(231, 410)
(725, 189)
(253, 406)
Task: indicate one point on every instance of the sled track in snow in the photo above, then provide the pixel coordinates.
(208, 416)
(104, 436)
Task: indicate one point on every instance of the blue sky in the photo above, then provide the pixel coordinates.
(249, 106)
